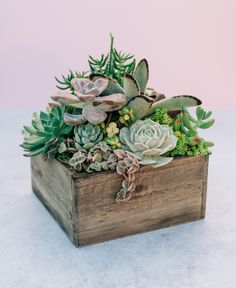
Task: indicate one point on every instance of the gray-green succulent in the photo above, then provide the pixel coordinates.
(86, 136)
(147, 141)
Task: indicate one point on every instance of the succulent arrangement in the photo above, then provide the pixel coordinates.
(108, 118)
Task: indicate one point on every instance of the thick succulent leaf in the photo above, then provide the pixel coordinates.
(141, 74)
(131, 86)
(78, 84)
(140, 105)
(110, 108)
(94, 115)
(206, 124)
(72, 119)
(113, 99)
(65, 98)
(176, 103)
(101, 84)
(80, 105)
(112, 87)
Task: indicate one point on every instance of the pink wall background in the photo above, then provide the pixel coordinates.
(190, 45)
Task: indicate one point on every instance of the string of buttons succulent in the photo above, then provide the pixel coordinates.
(110, 119)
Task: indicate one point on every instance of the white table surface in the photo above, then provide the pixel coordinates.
(35, 252)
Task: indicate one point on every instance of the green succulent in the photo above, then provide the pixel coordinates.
(189, 125)
(65, 82)
(48, 130)
(87, 136)
(114, 65)
(147, 141)
(127, 116)
(161, 116)
(113, 141)
(190, 146)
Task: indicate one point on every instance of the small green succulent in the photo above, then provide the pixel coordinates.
(48, 130)
(127, 116)
(161, 116)
(113, 141)
(147, 141)
(190, 146)
(86, 136)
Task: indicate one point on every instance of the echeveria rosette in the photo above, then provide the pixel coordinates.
(86, 97)
(87, 136)
(147, 141)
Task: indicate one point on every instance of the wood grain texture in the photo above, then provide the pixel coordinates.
(84, 204)
(51, 182)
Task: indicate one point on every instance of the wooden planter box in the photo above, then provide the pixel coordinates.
(84, 204)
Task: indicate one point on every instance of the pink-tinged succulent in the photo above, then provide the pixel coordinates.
(94, 107)
(126, 165)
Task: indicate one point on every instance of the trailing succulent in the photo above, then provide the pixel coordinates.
(110, 119)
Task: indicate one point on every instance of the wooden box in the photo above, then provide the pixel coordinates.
(84, 204)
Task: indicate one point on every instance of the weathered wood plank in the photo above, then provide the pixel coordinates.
(171, 191)
(84, 204)
(51, 182)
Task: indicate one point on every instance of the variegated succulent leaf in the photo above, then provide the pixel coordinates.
(175, 103)
(140, 105)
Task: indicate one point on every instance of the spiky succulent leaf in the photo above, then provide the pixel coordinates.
(175, 103)
(65, 82)
(141, 74)
(114, 65)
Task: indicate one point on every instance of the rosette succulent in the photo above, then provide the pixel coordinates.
(47, 132)
(87, 136)
(147, 141)
(86, 97)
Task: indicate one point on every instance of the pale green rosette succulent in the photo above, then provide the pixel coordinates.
(87, 136)
(147, 141)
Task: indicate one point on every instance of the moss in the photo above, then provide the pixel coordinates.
(183, 148)
(161, 116)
